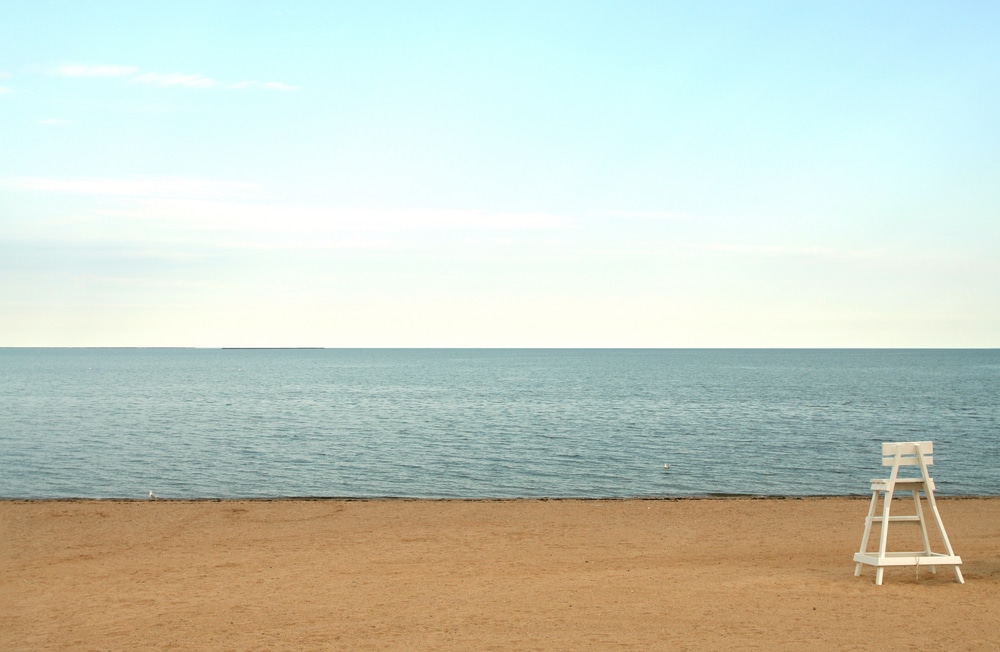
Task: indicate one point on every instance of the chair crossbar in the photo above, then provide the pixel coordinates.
(906, 460)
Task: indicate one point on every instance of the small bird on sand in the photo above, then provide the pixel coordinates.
(152, 496)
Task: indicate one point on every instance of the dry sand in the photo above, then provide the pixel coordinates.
(728, 574)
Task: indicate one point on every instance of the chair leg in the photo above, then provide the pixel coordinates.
(923, 526)
(868, 530)
(944, 535)
(884, 533)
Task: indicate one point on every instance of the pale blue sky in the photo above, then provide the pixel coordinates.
(777, 174)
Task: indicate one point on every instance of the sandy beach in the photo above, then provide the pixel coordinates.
(710, 574)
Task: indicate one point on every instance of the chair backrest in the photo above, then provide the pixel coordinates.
(907, 453)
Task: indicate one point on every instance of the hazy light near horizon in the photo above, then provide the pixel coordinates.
(600, 174)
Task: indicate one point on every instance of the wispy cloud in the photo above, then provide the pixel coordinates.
(5, 75)
(666, 216)
(143, 187)
(783, 251)
(80, 70)
(175, 79)
(53, 121)
(270, 86)
(318, 226)
(226, 214)
(4, 89)
(179, 79)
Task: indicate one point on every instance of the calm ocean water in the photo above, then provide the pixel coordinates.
(488, 423)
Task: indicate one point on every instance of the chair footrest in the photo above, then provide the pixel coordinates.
(894, 519)
(907, 559)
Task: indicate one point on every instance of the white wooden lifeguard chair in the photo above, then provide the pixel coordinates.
(896, 455)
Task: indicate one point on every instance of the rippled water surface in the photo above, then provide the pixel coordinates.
(487, 423)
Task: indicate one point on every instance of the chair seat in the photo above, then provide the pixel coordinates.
(906, 484)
